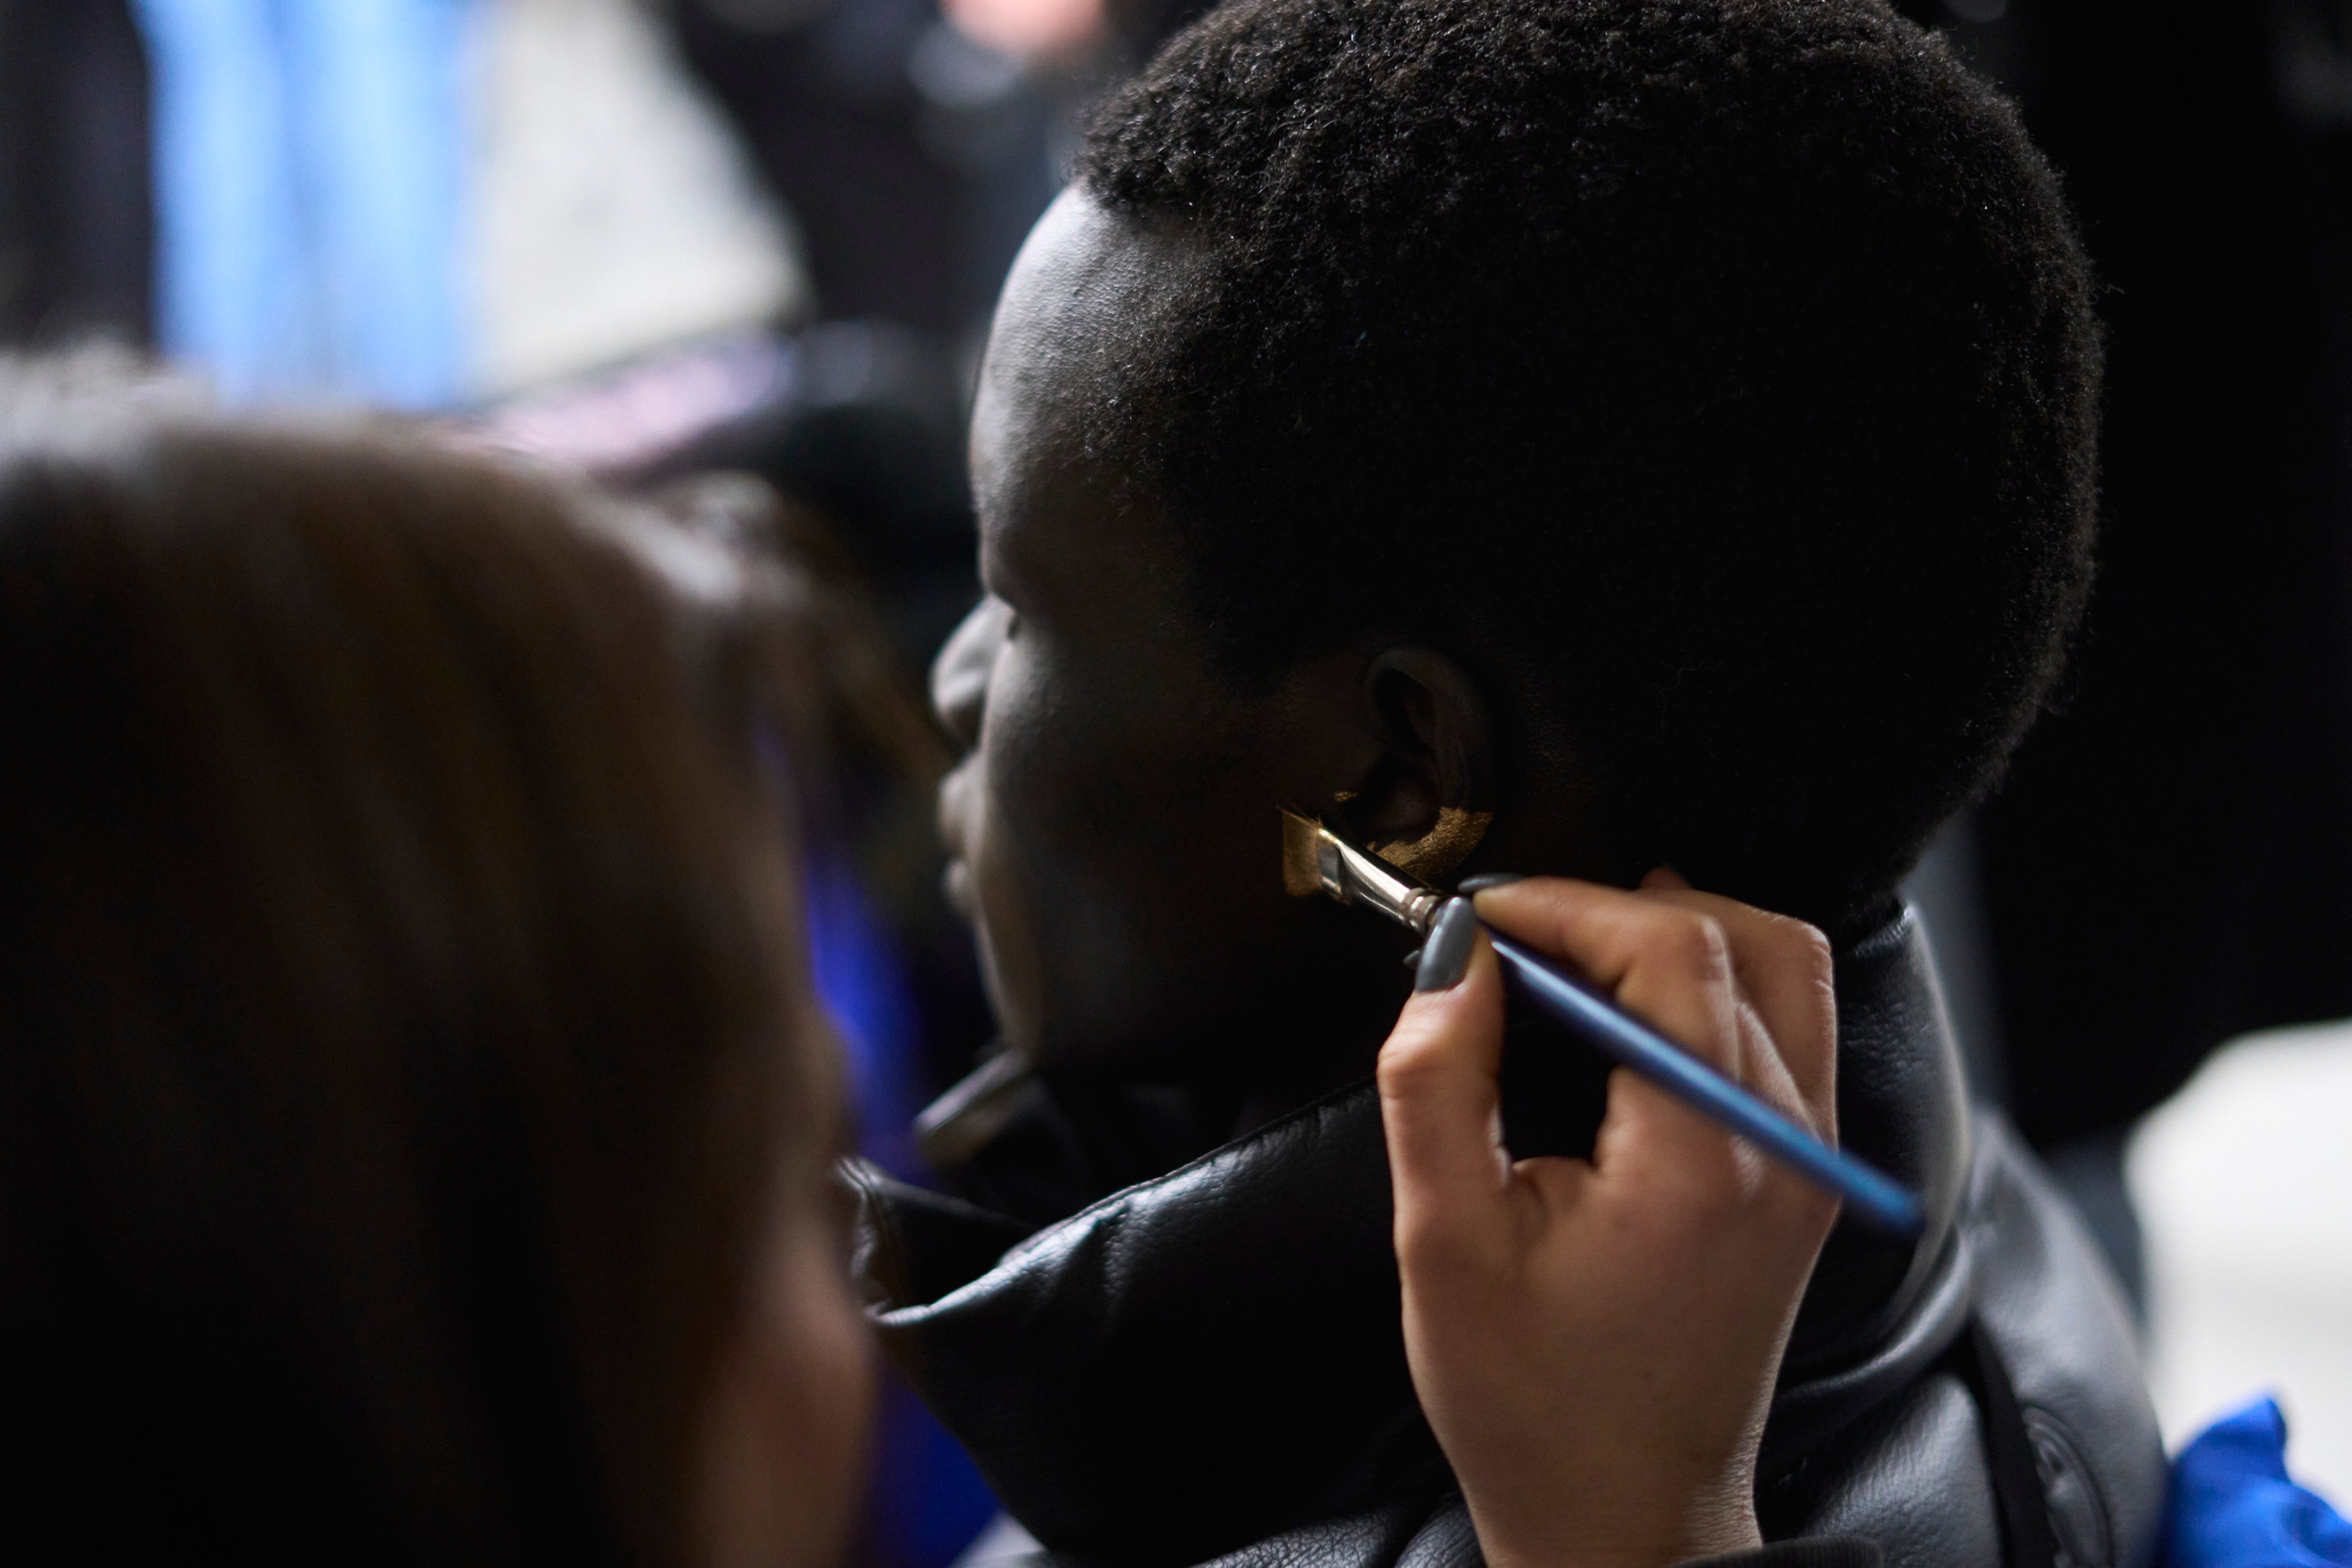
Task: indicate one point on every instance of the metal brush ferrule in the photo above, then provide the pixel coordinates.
(1354, 875)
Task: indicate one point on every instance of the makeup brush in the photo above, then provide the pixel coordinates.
(1316, 859)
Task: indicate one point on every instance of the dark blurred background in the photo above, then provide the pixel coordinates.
(2170, 864)
(666, 238)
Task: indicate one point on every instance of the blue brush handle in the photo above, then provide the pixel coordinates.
(1870, 1191)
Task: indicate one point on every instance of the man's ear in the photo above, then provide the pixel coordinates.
(1427, 798)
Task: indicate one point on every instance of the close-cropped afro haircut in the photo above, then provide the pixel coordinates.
(1720, 372)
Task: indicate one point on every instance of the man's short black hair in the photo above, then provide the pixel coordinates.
(1725, 368)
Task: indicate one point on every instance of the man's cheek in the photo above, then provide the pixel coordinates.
(1041, 752)
(1012, 945)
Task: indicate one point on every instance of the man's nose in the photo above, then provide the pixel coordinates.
(960, 674)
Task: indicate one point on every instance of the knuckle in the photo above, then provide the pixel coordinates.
(1816, 945)
(1807, 947)
(1692, 943)
(1667, 929)
(1421, 1026)
(1411, 1062)
(1427, 1245)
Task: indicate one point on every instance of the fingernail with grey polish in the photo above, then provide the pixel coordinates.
(1486, 880)
(1445, 957)
(1412, 961)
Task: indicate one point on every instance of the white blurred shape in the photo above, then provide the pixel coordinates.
(2243, 1186)
(1002, 1545)
(612, 211)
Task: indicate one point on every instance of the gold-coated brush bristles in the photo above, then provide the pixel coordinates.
(1301, 878)
(1317, 859)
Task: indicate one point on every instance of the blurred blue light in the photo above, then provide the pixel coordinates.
(309, 159)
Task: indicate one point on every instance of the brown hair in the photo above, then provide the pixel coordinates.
(399, 997)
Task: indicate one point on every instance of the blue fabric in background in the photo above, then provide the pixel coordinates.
(862, 984)
(928, 1500)
(309, 159)
(2234, 1505)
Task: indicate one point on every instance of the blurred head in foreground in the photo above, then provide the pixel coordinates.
(1653, 432)
(413, 1119)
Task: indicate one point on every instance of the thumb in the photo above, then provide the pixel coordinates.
(1438, 1095)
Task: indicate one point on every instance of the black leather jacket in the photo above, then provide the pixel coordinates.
(1209, 1364)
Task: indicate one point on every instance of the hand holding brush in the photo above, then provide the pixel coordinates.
(1316, 858)
(1596, 1342)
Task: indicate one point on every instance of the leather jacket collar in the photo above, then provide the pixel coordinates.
(1208, 1357)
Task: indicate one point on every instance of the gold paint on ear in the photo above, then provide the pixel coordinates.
(1442, 847)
